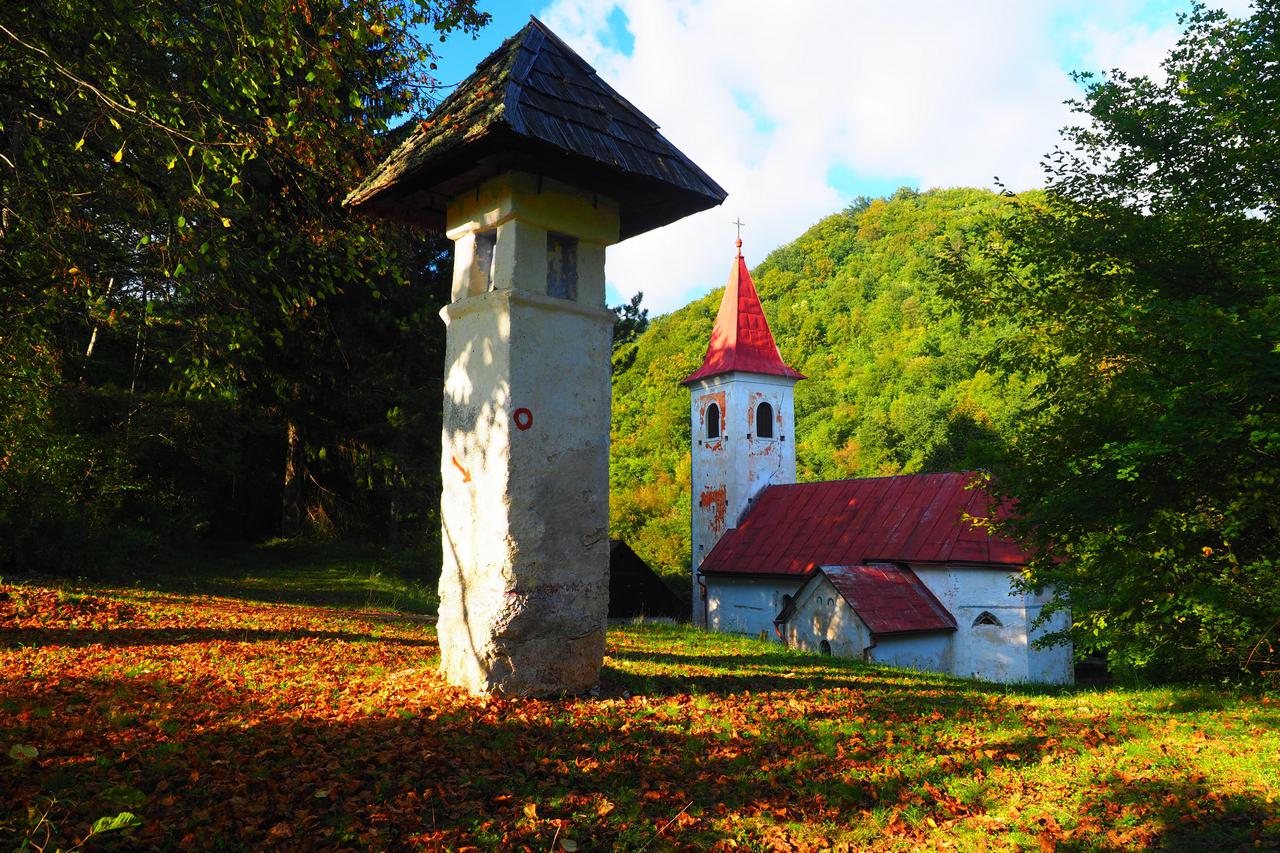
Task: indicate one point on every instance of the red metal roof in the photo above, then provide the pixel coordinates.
(740, 338)
(889, 599)
(914, 518)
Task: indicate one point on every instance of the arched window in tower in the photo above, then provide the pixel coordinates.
(764, 421)
(986, 617)
(713, 421)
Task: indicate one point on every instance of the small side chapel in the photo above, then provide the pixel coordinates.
(885, 569)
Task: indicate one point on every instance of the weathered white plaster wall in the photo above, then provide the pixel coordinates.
(994, 653)
(1056, 664)
(728, 472)
(929, 652)
(744, 606)
(991, 653)
(525, 446)
(822, 614)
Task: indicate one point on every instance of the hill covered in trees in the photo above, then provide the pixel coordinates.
(894, 381)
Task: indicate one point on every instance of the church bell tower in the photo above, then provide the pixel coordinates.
(742, 419)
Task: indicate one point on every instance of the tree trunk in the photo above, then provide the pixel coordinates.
(295, 472)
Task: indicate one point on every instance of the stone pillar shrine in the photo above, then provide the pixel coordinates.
(533, 166)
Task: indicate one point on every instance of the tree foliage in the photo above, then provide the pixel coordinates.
(181, 287)
(895, 384)
(1142, 291)
(630, 321)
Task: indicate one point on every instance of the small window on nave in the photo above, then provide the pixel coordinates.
(986, 617)
(764, 421)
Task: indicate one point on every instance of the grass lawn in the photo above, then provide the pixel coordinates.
(298, 571)
(228, 724)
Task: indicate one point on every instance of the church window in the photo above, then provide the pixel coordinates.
(986, 617)
(562, 266)
(713, 421)
(764, 420)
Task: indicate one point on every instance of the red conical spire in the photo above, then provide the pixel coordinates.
(740, 338)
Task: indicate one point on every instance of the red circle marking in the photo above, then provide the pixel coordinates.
(523, 418)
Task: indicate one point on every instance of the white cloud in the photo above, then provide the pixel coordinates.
(768, 102)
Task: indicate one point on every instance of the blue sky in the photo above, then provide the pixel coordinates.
(796, 114)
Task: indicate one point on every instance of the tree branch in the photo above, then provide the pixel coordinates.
(112, 102)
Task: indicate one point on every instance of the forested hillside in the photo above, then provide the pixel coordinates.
(894, 383)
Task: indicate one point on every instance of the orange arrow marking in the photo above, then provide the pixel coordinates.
(466, 475)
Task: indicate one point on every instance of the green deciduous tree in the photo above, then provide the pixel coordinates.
(175, 264)
(1143, 292)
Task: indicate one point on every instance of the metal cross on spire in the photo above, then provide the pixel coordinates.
(738, 222)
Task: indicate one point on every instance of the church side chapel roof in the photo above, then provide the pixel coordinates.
(914, 518)
(890, 599)
(534, 104)
(740, 338)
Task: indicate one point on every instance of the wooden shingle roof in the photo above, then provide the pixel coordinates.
(534, 104)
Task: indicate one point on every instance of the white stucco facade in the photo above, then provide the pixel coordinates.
(824, 623)
(976, 596)
(996, 652)
(525, 443)
(730, 469)
(745, 606)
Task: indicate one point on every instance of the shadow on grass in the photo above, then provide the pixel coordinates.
(505, 774)
(123, 637)
(786, 670)
(1182, 814)
(618, 677)
(308, 572)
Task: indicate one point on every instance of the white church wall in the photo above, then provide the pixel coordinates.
(1000, 653)
(745, 606)
(823, 616)
(1056, 664)
(927, 652)
(712, 470)
(992, 652)
(988, 652)
(770, 460)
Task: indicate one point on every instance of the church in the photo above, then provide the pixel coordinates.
(884, 569)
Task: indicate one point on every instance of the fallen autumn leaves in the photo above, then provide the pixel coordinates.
(226, 724)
